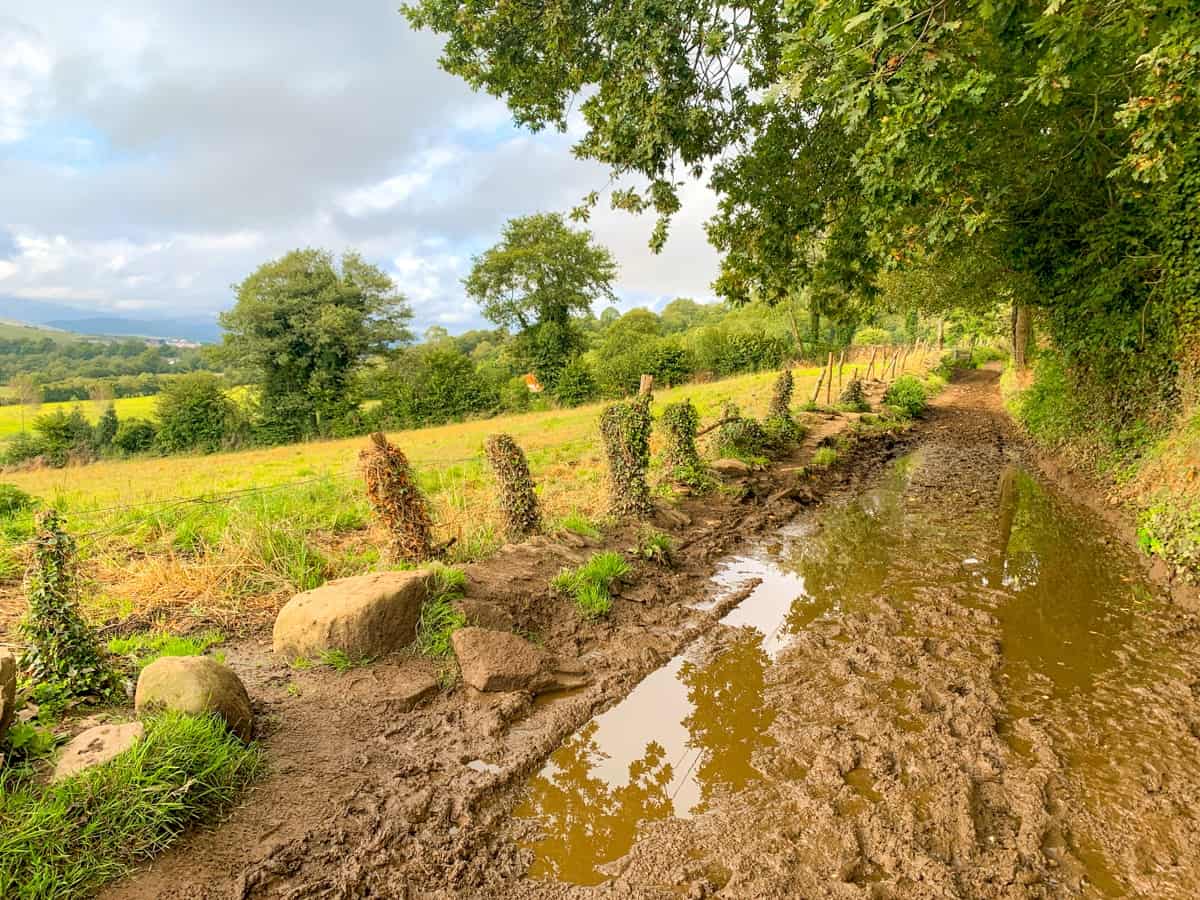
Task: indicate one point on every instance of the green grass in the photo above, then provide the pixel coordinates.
(824, 457)
(341, 661)
(655, 546)
(65, 840)
(142, 649)
(580, 524)
(439, 619)
(591, 583)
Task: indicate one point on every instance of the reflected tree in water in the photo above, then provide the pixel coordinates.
(729, 719)
(585, 820)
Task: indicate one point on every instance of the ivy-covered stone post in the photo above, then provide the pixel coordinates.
(781, 396)
(680, 422)
(394, 495)
(518, 502)
(625, 431)
(63, 649)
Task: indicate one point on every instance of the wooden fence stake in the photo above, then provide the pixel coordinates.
(841, 365)
(829, 381)
(871, 364)
(817, 389)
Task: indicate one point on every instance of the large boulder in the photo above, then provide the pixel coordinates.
(195, 685)
(484, 614)
(502, 661)
(96, 745)
(364, 616)
(8, 690)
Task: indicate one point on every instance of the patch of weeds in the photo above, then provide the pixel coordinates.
(293, 689)
(580, 524)
(69, 838)
(655, 546)
(25, 743)
(906, 396)
(824, 457)
(439, 618)
(142, 649)
(341, 661)
(301, 663)
(590, 584)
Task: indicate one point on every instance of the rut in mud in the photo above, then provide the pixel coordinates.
(947, 681)
(958, 684)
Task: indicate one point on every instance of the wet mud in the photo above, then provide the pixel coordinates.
(930, 674)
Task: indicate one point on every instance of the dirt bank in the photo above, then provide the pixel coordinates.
(979, 695)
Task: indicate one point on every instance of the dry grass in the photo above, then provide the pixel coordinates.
(150, 559)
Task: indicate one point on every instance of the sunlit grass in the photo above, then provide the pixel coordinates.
(304, 518)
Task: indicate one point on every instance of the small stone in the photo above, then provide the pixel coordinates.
(730, 468)
(96, 745)
(502, 661)
(483, 614)
(195, 685)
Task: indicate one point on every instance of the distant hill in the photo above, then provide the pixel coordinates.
(86, 321)
(200, 330)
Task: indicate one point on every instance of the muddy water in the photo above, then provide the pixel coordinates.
(1074, 665)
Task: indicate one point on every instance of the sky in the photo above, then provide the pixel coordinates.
(153, 154)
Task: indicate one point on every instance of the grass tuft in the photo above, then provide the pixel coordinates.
(67, 839)
(591, 583)
(824, 457)
(439, 618)
(142, 649)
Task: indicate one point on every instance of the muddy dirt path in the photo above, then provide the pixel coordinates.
(926, 674)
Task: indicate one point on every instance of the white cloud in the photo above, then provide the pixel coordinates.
(25, 64)
(161, 172)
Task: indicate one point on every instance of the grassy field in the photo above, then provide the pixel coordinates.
(185, 540)
(14, 419)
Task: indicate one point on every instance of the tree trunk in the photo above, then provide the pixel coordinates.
(1021, 328)
(791, 311)
(814, 328)
(941, 333)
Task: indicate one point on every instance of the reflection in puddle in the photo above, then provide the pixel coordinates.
(1063, 602)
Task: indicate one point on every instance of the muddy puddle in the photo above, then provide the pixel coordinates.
(1064, 600)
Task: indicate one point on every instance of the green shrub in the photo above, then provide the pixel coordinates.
(106, 428)
(906, 396)
(135, 436)
(576, 384)
(195, 415)
(872, 335)
(66, 839)
(591, 583)
(14, 500)
(64, 435)
(23, 447)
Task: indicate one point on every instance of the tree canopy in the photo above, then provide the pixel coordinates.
(541, 274)
(1051, 143)
(303, 328)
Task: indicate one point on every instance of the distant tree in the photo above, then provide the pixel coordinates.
(195, 414)
(434, 383)
(540, 275)
(28, 394)
(106, 427)
(101, 394)
(436, 333)
(303, 329)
